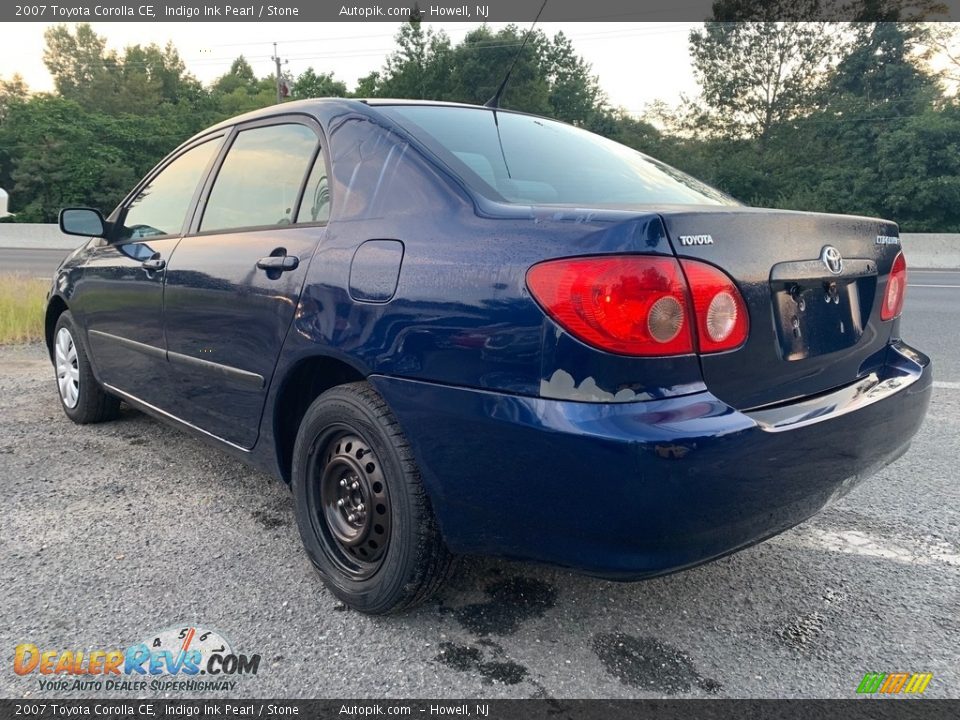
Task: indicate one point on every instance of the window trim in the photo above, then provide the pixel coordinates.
(119, 215)
(233, 131)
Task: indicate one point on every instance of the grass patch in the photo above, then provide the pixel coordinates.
(22, 304)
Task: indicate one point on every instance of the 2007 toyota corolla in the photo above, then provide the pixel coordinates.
(455, 329)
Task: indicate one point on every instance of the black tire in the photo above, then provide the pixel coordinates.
(93, 404)
(390, 556)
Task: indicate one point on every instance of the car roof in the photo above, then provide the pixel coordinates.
(313, 105)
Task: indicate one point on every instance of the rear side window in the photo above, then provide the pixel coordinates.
(260, 179)
(315, 206)
(160, 208)
(530, 160)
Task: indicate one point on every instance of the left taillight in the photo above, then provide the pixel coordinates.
(896, 288)
(642, 305)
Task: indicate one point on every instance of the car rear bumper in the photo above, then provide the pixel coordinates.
(629, 490)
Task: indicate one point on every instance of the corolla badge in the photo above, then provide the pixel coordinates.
(832, 258)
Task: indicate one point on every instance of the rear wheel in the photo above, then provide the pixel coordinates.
(363, 513)
(82, 398)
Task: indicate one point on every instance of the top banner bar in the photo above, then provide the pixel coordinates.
(519, 11)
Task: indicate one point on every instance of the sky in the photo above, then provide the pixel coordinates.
(637, 63)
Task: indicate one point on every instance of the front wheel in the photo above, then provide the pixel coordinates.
(362, 511)
(83, 400)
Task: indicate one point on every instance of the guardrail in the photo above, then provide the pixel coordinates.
(932, 250)
(923, 250)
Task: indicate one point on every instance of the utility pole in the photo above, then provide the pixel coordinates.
(276, 59)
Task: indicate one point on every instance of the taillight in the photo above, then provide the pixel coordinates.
(896, 287)
(722, 322)
(641, 305)
(631, 305)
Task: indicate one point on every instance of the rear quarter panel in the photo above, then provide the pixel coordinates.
(461, 314)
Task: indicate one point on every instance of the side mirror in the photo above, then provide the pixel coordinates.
(82, 221)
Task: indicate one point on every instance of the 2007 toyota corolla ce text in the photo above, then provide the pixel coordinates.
(456, 329)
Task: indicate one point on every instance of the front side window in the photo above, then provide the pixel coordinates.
(260, 179)
(160, 208)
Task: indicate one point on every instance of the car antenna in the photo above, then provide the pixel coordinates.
(494, 102)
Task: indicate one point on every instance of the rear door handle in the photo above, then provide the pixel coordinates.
(154, 264)
(279, 263)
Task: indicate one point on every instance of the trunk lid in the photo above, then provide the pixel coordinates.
(812, 328)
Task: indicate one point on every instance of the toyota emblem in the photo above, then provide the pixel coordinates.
(832, 258)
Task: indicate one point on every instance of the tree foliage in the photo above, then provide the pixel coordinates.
(309, 84)
(548, 76)
(879, 140)
(757, 75)
(85, 71)
(12, 91)
(817, 116)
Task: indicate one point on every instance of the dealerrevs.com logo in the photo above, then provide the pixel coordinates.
(187, 659)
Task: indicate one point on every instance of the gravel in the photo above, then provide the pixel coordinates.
(111, 533)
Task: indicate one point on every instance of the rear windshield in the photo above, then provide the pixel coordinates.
(531, 160)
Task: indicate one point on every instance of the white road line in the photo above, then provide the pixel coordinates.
(926, 551)
(944, 385)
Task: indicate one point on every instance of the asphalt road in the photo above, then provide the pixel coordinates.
(113, 532)
(31, 261)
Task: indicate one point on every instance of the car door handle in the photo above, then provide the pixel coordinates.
(279, 263)
(153, 264)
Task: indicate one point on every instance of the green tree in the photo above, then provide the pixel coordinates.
(549, 77)
(756, 75)
(141, 79)
(153, 75)
(480, 62)
(239, 90)
(309, 84)
(405, 70)
(945, 41)
(794, 115)
(880, 90)
(367, 85)
(78, 61)
(12, 91)
(419, 68)
(58, 155)
(918, 161)
(240, 76)
(574, 94)
(886, 67)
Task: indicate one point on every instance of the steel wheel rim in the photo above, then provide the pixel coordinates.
(350, 504)
(68, 368)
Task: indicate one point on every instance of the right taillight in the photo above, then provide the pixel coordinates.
(642, 305)
(722, 321)
(896, 287)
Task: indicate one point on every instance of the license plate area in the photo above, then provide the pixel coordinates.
(816, 314)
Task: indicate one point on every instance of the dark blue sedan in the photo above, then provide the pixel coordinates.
(460, 330)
